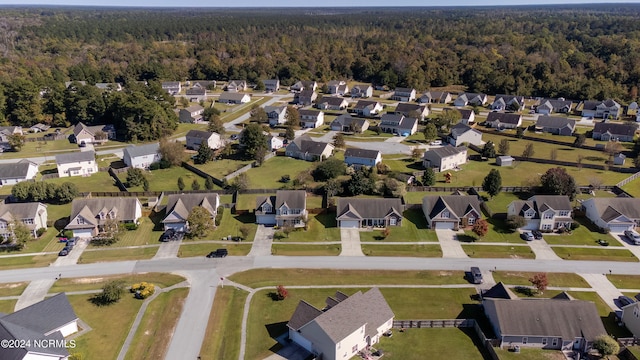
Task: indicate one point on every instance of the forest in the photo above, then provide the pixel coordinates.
(577, 52)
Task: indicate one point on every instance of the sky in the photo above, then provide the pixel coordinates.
(298, 3)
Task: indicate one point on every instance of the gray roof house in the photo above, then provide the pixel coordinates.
(196, 93)
(503, 120)
(141, 156)
(468, 116)
(367, 108)
(549, 106)
(556, 125)
(445, 158)
(82, 163)
(192, 114)
(408, 109)
(304, 85)
(347, 123)
(338, 87)
(311, 118)
(362, 157)
(615, 214)
(361, 91)
(271, 85)
(305, 97)
(89, 216)
(369, 212)
(172, 87)
(404, 94)
(236, 85)
(609, 131)
(451, 211)
(345, 326)
(234, 98)
(305, 148)
(461, 133)
(435, 97)
(601, 109)
(543, 212)
(332, 103)
(45, 324)
(13, 173)
(465, 99)
(93, 134)
(286, 208)
(398, 124)
(31, 214)
(179, 207)
(508, 102)
(197, 137)
(277, 114)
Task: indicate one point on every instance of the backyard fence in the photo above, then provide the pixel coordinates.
(628, 180)
(534, 138)
(119, 182)
(204, 175)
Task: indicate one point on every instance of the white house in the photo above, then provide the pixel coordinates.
(32, 214)
(367, 108)
(465, 99)
(271, 85)
(172, 87)
(277, 115)
(141, 156)
(93, 134)
(236, 85)
(362, 157)
(13, 173)
(197, 137)
(361, 91)
(614, 214)
(412, 110)
(90, 215)
(398, 124)
(286, 208)
(81, 163)
(311, 118)
(543, 212)
(191, 115)
(445, 158)
(508, 102)
(503, 120)
(451, 211)
(404, 94)
(179, 207)
(461, 133)
(234, 98)
(338, 87)
(347, 325)
(274, 142)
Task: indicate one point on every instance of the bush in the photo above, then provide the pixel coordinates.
(130, 226)
(575, 225)
(143, 290)
(154, 166)
(285, 179)
(515, 221)
(41, 231)
(68, 234)
(604, 230)
(218, 218)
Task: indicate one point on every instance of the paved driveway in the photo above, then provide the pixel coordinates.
(74, 255)
(542, 250)
(604, 288)
(34, 292)
(350, 242)
(451, 247)
(168, 249)
(262, 241)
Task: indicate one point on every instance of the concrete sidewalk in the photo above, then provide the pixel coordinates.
(542, 250)
(451, 247)
(604, 288)
(350, 242)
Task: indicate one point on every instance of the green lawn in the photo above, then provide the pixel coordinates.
(271, 277)
(48, 149)
(269, 174)
(415, 197)
(586, 234)
(162, 280)
(414, 228)
(555, 279)
(248, 201)
(235, 249)
(530, 354)
(499, 203)
(222, 338)
(100, 181)
(603, 254)
(154, 334)
(12, 289)
(20, 262)
(625, 281)
(456, 343)
(230, 225)
(47, 242)
(497, 251)
(498, 233)
(633, 188)
(167, 179)
(404, 165)
(305, 250)
(117, 254)
(321, 227)
(7, 306)
(144, 235)
(223, 167)
(402, 250)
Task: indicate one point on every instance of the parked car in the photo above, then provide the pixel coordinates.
(476, 275)
(633, 236)
(528, 236)
(63, 252)
(72, 242)
(167, 235)
(537, 234)
(625, 300)
(219, 253)
(436, 142)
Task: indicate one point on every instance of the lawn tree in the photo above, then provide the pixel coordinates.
(281, 292)
(636, 161)
(503, 147)
(492, 182)
(386, 232)
(286, 230)
(394, 188)
(528, 151)
(145, 184)
(557, 181)
(245, 230)
(289, 134)
(579, 160)
(195, 185)
(329, 169)
(489, 150)
(21, 234)
(540, 281)
(613, 147)
(293, 117)
(216, 125)
(515, 221)
(519, 132)
(429, 177)
(172, 152)
(258, 115)
(111, 292)
(16, 141)
(333, 187)
(112, 230)
(447, 118)
(181, 184)
(260, 85)
(360, 183)
(553, 154)
(606, 345)
(416, 153)
(254, 141)
(579, 141)
(480, 228)
(66, 192)
(135, 177)
(430, 132)
(199, 221)
(208, 183)
(204, 155)
(241, 182)
(338, 141)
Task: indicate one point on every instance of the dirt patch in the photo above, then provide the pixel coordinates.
(445, 273)
(11, 285)
(92, 280)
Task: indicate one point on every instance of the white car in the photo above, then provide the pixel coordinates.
(633, 236)
(436, 142)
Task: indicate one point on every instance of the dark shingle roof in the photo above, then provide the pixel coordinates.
(142, 150)
(305, 144)
(306, 112)
(294, 199)
(446, 151)
(303, 314)
(611, 208)
(458, 205)
(406, 108)
(369, 208)
(15, 170)
(504, 118)
(18, 211)
(199, 134)
(466, 114)
(125, 208)
(460, 128)
(499, 291)
(363, 104)
(555, 122)
(74, 157)
(182, 204)
(554, 202)
(361, 153)
(332, 100)
(615, 129)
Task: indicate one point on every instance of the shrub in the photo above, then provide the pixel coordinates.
(604, 230)
(282, 292)
(41, 231)
(154, 166)
(575, 225)
(130, 226)
(218, 218)
(515, 221)
(68, 234)
(285, 179)
(143, 290)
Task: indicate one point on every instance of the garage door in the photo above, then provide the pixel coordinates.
(83, 233)
(441, 225)
(349, 224)
(618, 228)
(266, 219)
(175, 226)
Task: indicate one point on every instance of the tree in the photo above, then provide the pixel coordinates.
(254, 142)
(260, 85)
(393, 187)
(241, 182)
(332, 187)
(172, 152)
(519, 132)
(259, 115)
(289, 134)
(16, 141)
(135, 177)
(540, 281)
(199, 221)
(293, 117)
(489, 150)
(205, 154)
(579, 141)
(281, 292)
(216, 125)
(386, 232)
(181, 185)
(503, 147)
(480, 228)
(606, 345)
(528, 151)
(429, 177)
(208, 183)
(338, 141)
(553, 154)
(245, 230)
(447, 118)
(636, 161)
(416, 153)
(492, 182)
(195, 185)
(557, 181)
(515, 222)
(111, 292)
(66, 192)
(329, 169)
(360, 183)
(579, 160)
(21, 234)
(430, 132)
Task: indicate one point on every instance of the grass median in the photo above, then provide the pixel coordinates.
(117, 254)
(305, 250)
(162, 280)
(555, 279)
(222, 337)
(402, 250)
(499, 252)
(595, 254)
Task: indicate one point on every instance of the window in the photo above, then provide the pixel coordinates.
(529, 213)
(80, 221)
(548, 215)
(266, 208)
(27, 221)
(354, 348)
(564, 213)
(445, 214)
(546, 227)
(554, 342)
(101, 215)
(471, 220)
(544, 341)
(524, 340)
(392, 221)
(3, 225)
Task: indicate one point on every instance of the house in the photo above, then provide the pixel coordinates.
(445, 158)
(361, 91)
(32, 214)
(306, 149)
(345, 326)
(503, 121)
(304, 85)
(67, 84)
(236, 85)
(332, 103)
(196, 93)
(172, 87)
(311, 118)
(473, 99)
(461, 133)
(601, 109)
(369, 212)
(347, 123)
(632, 109)
(39, 127)
(234, 98)
(404, 94)
(549, 106)
(286, 208)
(89, 215)
(305, 97)
(274, 143)
(39, 330)
(81, 163)
(362, 157)
(557, 323)
(631, 318)
(435, 97)
(109, 86)
(411, 110)
(398, 124)
(505, 160)
(179, 207)
(338, 87)
(141, 156)
(608, 131)
(543, 212)
(197, 137)
(13, 173)
(367, 108)
(203, 84)
(277, 115)
(451, 211)
(271, 85)
(11, 130)
(555, 125)
(96, 134)
(619, 159)
(192, 114)
(615, 214)
(468, 116)
(508, 102)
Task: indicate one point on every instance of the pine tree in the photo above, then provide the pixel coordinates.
(492, 182)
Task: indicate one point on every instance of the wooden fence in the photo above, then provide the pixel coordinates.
(119, 182)
(533, 138)
(628, 180)
(204, 175)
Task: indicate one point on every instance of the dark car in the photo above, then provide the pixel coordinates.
(167, 235)
(218, 253)
(537, 234)
(527, 236)
(72, 242)
(625, 300)
(63, 252)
